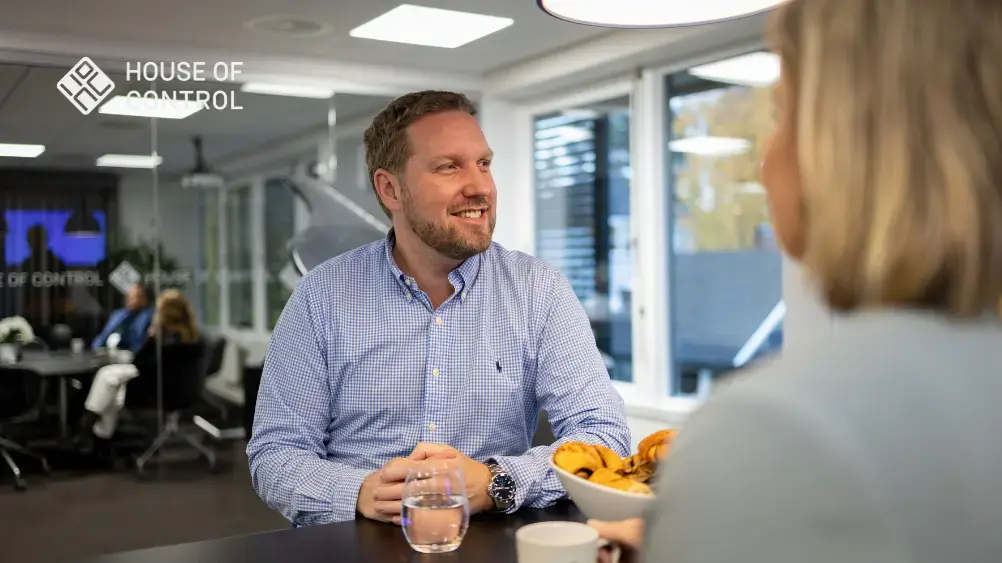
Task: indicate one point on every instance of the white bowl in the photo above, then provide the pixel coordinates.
(600, 502)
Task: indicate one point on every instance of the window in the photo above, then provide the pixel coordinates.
(279, 227)
(582, 201)
(208, 280)
(239, 258)
(726, 280)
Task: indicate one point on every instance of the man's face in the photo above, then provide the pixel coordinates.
(447, 193)
(135, 299)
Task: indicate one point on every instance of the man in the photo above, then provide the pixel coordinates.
(44, 304)
(434, 343)
(131, 323)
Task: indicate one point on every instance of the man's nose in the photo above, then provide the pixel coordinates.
(478, 183)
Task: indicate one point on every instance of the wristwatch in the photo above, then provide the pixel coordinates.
(501, 488)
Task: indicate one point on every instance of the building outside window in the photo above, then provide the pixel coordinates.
(726, 270)
(279, 227)
(239, 257)
(582, 202)
(208, 282)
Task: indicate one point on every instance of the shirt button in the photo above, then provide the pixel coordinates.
(408, 282)
(410, 296)
(435, 372)
(438, 321)
(462, 295)
(432, 426)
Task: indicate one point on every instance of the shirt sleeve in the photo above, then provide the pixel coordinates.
(574, 388)
(759, 478)
(287, 450)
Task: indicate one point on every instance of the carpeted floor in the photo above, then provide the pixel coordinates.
(65, 516)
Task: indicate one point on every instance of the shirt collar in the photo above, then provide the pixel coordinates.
(462, 277)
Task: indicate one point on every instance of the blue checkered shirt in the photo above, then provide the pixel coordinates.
(361, 368)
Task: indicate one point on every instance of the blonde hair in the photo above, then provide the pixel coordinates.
(174, 314)
(898, 112)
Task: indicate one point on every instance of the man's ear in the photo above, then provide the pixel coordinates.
(387, 188)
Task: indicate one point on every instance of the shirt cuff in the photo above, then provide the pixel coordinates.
(342, 497)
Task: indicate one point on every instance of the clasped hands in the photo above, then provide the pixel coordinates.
(381, 494)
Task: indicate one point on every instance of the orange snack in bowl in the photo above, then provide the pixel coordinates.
(584, 459)
(603, 466)
(654, 448)
(639, 468)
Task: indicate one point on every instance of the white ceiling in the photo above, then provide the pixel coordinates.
(33, 111)
(219, 25)
(38, 36)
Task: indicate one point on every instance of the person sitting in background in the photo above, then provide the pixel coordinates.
(174, 322)
(131, 322)
(880, 443)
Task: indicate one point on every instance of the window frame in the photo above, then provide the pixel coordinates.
(649, 395)
(669, 182)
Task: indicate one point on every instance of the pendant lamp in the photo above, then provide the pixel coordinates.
(82, 224)
(642, 14)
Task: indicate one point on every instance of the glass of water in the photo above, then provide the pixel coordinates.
(436, 510)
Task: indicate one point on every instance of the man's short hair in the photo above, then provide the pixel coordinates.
(386, 142)
(146, 290)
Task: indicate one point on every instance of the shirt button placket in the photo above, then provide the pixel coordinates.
(435, 387)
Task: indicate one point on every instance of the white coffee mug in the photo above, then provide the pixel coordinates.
(556, 542)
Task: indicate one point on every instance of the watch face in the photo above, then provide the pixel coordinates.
(503, 488)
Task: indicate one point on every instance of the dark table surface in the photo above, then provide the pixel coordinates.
(60, 363)
(490, 539)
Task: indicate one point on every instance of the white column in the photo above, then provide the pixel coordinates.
(650, 238)
(508, 131)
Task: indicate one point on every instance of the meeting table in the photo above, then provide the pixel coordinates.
(490, 539)
(61, 365)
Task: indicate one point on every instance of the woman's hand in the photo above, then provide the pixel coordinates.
(628, 534)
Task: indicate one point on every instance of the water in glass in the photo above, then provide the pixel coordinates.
(436, 511)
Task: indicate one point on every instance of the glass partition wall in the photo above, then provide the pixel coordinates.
(149, 249)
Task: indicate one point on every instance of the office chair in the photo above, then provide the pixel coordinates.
(215, 353)
(20, 392)
(184, 371)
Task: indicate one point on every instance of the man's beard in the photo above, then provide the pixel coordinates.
(446, 239)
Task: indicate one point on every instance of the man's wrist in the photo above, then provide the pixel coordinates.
(481, 497)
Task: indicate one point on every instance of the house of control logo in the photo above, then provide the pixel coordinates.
(86, 85)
